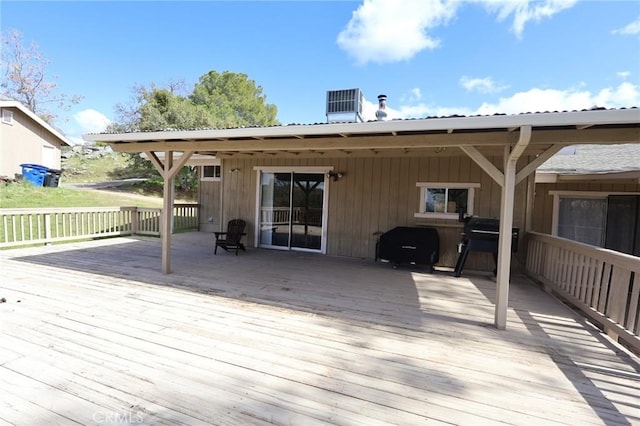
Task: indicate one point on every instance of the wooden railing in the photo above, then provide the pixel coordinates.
(297, 215)
(603, 284)
(19, 227)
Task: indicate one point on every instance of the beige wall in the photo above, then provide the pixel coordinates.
(22, 142)
(209, 214)
(375, 195)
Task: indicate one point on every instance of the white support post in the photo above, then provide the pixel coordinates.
(506, 225)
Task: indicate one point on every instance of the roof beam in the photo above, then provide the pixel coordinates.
(537, 162)
(482, 139)
(484, 163)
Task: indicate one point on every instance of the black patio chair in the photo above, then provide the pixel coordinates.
(231, 239)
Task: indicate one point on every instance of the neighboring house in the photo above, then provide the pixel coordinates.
(591, 194)
(26, 139)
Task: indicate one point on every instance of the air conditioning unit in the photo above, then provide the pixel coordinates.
(344, 106)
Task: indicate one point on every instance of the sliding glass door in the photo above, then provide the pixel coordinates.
(292, 210)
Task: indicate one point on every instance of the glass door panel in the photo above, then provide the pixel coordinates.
(292, 210)
(306, 213)
(275, 209)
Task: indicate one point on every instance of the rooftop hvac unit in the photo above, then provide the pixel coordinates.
(344, 106)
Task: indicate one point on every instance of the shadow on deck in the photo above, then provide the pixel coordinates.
(370, 343)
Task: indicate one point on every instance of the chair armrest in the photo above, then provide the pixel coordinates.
(218, 234)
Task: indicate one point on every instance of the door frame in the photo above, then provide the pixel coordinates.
(325, 201)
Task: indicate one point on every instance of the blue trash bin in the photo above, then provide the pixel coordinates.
(34, 173)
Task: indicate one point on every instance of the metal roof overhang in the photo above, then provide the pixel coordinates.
(406, 137)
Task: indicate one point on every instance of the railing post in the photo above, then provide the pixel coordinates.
(47, 229)
(135, 221)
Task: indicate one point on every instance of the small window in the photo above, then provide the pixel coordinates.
(7, 116)
(210, 173)
(445, 200)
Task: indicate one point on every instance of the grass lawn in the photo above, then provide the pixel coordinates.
(25, 195)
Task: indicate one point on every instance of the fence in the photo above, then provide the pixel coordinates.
(19, 227)
(297, 215)
(603, 284)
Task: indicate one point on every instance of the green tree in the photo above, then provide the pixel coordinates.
(224, 100)
(232, 100)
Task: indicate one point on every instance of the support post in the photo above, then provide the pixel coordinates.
(506, 225)
(167, 212)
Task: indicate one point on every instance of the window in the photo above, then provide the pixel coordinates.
(582, 216)
(445, 200)
(7, 116)
(582, 219)
(210, 173)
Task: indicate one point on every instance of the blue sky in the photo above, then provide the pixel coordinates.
(430, 57)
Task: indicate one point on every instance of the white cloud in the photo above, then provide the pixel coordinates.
(524, 11)
(91, 121)
(481, 85)
(412, 96)
(539, 100)
(393, 30)
(623, 74)
(631, 29)
(625, 95)
(385, 31)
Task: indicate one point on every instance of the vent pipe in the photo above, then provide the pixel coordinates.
(381, 113)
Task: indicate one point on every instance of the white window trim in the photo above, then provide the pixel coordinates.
(7, 117)
(448, 185)
(555, 216)
(210, 179)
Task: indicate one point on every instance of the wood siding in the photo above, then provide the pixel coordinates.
(22, 142)
(375, 195)
(209, 214)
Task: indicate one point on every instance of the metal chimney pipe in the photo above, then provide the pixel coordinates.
(381, 113)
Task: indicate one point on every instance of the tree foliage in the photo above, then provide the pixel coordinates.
(25, 78)
(233, 100)
(225, 100)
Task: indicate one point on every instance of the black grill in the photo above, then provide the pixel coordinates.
(412, 245)
(481, 234)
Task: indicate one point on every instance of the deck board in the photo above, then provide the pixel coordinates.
(94, 329)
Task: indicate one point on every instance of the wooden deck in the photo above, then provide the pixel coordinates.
(93, 333)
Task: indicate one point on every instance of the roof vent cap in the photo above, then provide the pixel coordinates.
(381, 113)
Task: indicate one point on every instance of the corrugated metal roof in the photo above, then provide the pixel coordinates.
(454, 116)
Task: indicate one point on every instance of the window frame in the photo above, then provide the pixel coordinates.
(557, 194)
(7, 116)
(425, 186)
(214, 178)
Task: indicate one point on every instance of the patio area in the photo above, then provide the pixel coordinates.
(94, 333)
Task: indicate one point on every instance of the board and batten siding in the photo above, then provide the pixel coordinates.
(209, 205)
(375, 195)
